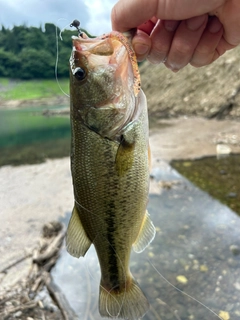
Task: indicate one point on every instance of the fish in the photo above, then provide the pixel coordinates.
(110, 161)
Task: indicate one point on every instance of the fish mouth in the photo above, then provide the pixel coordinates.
(89, 52)
(106, 52)
(95, 46)
(99, 45)
(111, 49)
(106, 49)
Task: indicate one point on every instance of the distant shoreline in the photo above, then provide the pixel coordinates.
(60, 100)
(17, 94)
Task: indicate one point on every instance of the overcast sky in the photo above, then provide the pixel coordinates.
(94, 15)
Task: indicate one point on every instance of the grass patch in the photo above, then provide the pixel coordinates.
(4, 81)
(32, 89)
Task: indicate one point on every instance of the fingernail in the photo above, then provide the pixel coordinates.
(195, 23)
(141, 48)
(172, 67)
(214, 25)
(170, 25)
(174, 70)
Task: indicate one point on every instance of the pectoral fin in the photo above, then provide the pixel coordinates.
(77, 241)
(124, 158)
(125, 153)
(146, 234)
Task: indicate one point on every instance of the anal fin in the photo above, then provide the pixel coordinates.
(77, 241)
(146, 234)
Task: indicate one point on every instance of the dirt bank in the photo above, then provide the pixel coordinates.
(212, 91)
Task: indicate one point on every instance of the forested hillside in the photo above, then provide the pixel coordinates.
(30, 52)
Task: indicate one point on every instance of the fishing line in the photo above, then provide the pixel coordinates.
(57, 56)
(121, 263)
(108, 292)
(167, 306)
(184, 293)
(89, 289)
(88, 302)
(63, 29)
(80, 205)
(168, 282)
(125, 278)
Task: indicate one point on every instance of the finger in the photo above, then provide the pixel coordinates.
(147, 27)
(130, 14)
(141, 43)
(161, 38)
(206, 52)
(223, 46)
(229, 16)
(185, 41)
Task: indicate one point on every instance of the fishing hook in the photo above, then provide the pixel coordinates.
(76, 24)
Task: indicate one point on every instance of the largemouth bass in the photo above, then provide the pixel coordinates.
(110, 167)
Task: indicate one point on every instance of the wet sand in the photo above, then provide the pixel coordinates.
(30, 196)
(191, 138)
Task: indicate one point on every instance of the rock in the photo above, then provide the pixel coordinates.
(223, 149)
(235, 249)
(182, 279)
(203, 268)
(232, 195)
(18, 314)
(224, 315)
(232, 263)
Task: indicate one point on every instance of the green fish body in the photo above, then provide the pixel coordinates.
(110, 168)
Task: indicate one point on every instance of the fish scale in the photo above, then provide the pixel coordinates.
(110, 170)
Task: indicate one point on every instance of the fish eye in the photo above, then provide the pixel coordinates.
(79, 73)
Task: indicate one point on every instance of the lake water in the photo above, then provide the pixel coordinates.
(220, 177)
(26, 136)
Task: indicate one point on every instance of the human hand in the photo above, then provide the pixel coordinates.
(178, 32)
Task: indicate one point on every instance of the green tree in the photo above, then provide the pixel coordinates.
(63, 63)
(36, 64)
(50, 36)
(35, 39)
(9, 64)
(30, 52)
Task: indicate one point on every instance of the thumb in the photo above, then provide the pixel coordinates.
(229, 16)
(128, 14)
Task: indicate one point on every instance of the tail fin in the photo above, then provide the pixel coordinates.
(131, 304)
